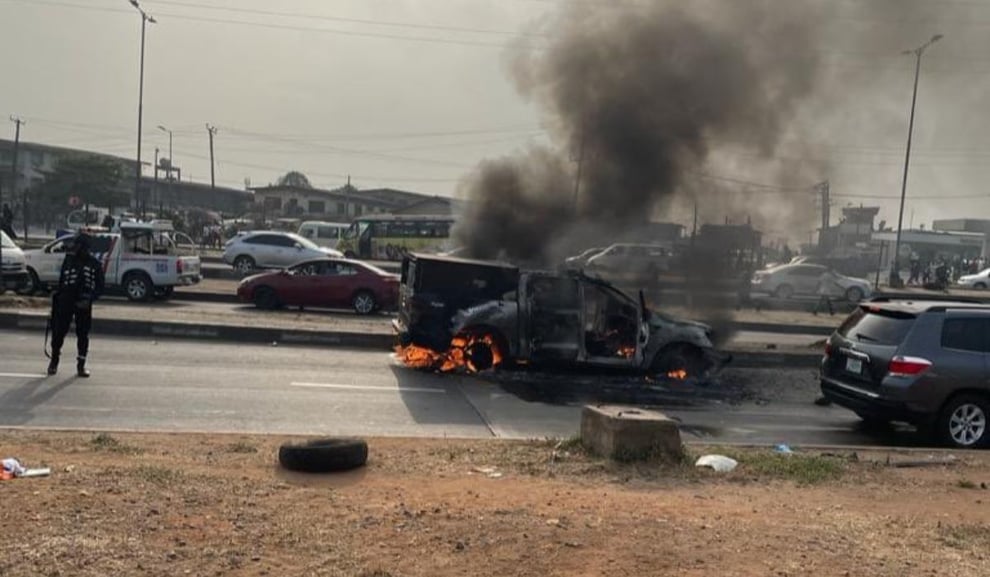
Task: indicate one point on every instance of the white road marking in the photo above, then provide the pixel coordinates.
(23, 375)
(370, 388)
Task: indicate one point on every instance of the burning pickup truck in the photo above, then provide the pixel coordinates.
(464, 314)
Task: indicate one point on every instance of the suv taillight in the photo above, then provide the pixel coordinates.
(907, 366)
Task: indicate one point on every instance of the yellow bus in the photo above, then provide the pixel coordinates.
(389, 237)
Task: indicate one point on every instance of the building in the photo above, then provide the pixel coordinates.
(343, 204)
(853, 234)
(35, 160)
(929, 245)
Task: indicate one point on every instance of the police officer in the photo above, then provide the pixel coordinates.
(79, 284)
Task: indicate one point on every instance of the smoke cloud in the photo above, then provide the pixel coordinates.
(637, 94)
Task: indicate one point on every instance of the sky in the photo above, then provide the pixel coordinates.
(412, 94)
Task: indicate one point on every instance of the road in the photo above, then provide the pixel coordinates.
(194, 386)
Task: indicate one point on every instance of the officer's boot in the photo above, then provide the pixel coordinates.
(53, 366)
(81, 367)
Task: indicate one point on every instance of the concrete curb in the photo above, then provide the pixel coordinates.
(224, 333)
(342, 339)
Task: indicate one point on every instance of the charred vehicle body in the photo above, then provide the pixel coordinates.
(477, 314)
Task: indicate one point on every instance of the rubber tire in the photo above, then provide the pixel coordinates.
(142, 278)
(686, 357)
(241, 262)
(359, 294)
(941, 431)
(32, 285)
(854, 294)
(324, 455)
(265, 298)
(481, 355)
(784, 291)
(980, 286)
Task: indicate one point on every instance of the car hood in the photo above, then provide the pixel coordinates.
(257, 277)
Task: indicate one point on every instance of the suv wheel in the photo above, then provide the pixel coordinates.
(244, 264)
(963, 422)
(980, 285)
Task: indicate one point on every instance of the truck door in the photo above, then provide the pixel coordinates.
(553, 320)
(612, 326)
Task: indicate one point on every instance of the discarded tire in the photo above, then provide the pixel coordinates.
(324, 455)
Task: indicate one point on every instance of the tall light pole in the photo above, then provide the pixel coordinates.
(895, 277)
(145, 18)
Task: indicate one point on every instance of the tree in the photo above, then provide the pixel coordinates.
(296, 179)
(96, 181)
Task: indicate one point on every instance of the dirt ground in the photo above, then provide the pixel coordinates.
(156, 504)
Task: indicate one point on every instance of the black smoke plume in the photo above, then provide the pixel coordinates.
(639, 93)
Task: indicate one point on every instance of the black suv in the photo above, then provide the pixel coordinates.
(922, 362)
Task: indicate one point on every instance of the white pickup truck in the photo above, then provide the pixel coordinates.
(143, 259)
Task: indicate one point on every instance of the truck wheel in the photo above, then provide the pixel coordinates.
(244, 265)
(677, 358)
(138, 287)
(854, 294)
(364, 303)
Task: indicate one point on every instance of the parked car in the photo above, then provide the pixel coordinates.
(323, 282)
(630, 258)
(143, 259)
(487, 313)
(325, 234)
(13, 269)
(269, 249)
(922, 362)
(578, 261)
(980, 280)
(788, 280)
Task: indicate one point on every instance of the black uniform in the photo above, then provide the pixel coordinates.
(79, 284)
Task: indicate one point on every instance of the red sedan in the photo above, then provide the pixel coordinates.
(329, 282)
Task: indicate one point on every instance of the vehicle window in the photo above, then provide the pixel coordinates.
(258, 239)
(637, 251)
(807, 271)
(326, 232)
(310, 269)
(879, 327)
(965, 334)
(307, 233)
(100, 244)
(138, 243)
(351, 232)
(57, 247)
(291, 240)
(339, 269)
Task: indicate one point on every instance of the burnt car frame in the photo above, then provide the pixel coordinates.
(497, 313)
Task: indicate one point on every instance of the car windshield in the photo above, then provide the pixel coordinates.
(5, 241)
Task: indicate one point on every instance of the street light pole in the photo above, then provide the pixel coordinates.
(895, 277)
(145, 18)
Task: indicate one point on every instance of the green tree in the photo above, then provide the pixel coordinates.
(97, 182)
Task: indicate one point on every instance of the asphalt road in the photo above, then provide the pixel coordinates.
(194, 386)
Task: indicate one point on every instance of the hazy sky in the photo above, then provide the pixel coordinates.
(330, 96)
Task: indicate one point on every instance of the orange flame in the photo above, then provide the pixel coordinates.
(679, 374)
(456, 358)
(627, 352)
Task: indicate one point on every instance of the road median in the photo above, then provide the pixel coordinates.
(796, 357)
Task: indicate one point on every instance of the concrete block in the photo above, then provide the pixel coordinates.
(629, 433)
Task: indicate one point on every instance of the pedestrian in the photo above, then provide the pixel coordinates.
(826, 284)
(79, 284)
(7, 222)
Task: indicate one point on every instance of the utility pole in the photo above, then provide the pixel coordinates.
(213, 178)
(895, 275)
(14, 170)
(824, 191)
(145, 18)
(694, 227)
